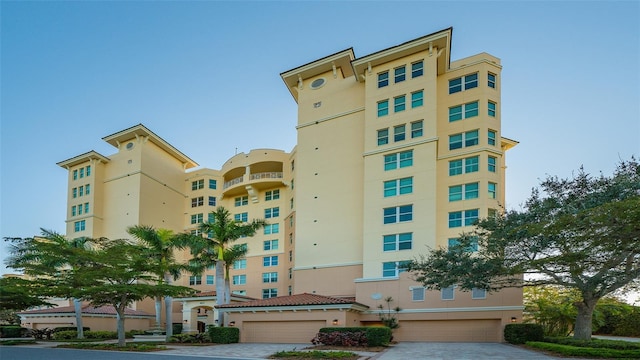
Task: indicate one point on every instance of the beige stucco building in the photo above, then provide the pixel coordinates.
(397, 151)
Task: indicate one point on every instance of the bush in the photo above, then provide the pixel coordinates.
(341, 338)
(594, 343)
(372, 335)
(199, 338)
(521, 333)
(177, 328)
(10, 331)
(568, 350)
(629, 325)
(378, 336)
(224, 335)
(69, 328)
(65, 335)
(73, 334)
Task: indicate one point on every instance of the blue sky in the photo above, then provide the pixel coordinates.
(205, 76)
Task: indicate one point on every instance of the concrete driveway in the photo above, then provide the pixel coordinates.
(459, 351)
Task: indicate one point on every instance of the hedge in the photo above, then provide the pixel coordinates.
(521, 333)
(10, 331)
(568, 350)
(224, 335)
(69, 328)
(376, 335)
(73, 334)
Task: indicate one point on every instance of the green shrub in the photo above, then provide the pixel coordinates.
(101, 335)
(224, 335)
(521, 333)
(594, 343)
(69, 328)
(66, 335)
(375, 335)
(10, 331)
(568, 350)
(629, 325)
(177, 328)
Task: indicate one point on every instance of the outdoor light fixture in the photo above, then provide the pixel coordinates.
(232, 323)
(186, 321)
(513, 319)
(335, 321)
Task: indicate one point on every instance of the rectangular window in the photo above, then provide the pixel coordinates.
(79, 209)
(272, 195)
(271, 212)
(446, 293)
(399, 133)
(196, 218)
(478, 294)
(73, 210)
(383, 79)
(455, 113)
(491, 109)
(241, 200)
(239, 292)
(464, 111)
(398, 160)
(198, 201)
(270, 245)
(75, 174)
(74, 191)
(212, 201)
(383, 108)
(80, 190)
(416, 129)
(397, 214)
(417, 69)
(88, 170)
(79, 225)
(455, 193)
(383, 137)
(471, 138)
(213, 184)
(470, 217)
(81, 173)
(492, 164)
(417, 293)
(399, 103)
(195, 280)
(197, 185)
(472, 247)
(241, 217)
(239, 279)
(87, 189)
(398, 187)
(211, 218)
(270, 277)
(455, 141)
(271, 229)
(240, 264)
(393, 268)
(491, 80)
(86, 208)
(210, 279)
(470, 81)
(269, 293)
(397, 242)
(399, 74)
(417, 99)
(491, 138)
(463, 83)
(455, 219)
(471, 191)
(455, 167)
(268, 261)
(492, 190)
(471, 164)
(471, 110)
(458, 141)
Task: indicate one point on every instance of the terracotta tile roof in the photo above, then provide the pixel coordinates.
(213, 293)
(304, 299)
(87, 309)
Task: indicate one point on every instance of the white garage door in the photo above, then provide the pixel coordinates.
(449, 331)
(280, 331)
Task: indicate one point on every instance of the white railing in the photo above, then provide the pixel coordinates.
(232, 182)
(265, 175)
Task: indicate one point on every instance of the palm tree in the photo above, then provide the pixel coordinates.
(220, 232)
(159, 246)
(235, 252)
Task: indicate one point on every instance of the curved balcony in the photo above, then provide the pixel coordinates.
(255, 181)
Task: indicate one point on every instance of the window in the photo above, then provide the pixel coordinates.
(383, 137)
(491, 80)
(239, 292)
(491, 109)
(75, 174)
(210, 279)
(79, 209)
(471, 191)
(471, 164)
(456, 218)
(81, 173)
(79, 225)
(213, 184)
(197, 185)
(271, 212)
(397, 242)
(492, 190)
(458, 141)
(87, 189)
(398, 187)
(492, 213)
(240, 264)
(417, 69)
(398, 214)
(195, 232)
(272, 195)
(269, 293)
(270, 245)
(472, 247)
(399, 103)
(399, 133)
(290, 255)
(243, 246)
(416, 129)
(463, 83)
(478, 294)
(271, 229)
(398, 160)
(383, 108)
(241, 217)
(242, 200)
(492, 164)
(270, 261)
(195, 280)
(86, 208)
(399, 74)
(211, 218)
(447, 293)
(89, 170)
(80, 190)
(417, 99)
(383, 79)
(460, 166)
(73, 210)
(74, 191)
(463, 192)
(491, 137)
(464, 111)
(198, 201)
(270, 277)
(417, 293)
(196, 218)
(394, 268)
(212, 201)
(290, 273)
(239, 279)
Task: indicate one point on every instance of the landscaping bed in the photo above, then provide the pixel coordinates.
(138, 347)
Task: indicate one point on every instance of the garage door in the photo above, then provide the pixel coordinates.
(449, 331)
(280, 331)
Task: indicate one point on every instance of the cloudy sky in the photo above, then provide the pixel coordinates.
(204, 75)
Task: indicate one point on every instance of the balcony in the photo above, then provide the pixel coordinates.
(252, 182)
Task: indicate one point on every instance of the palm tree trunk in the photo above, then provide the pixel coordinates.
(227, 290)
(77, 306)
(220, 289)
(168, 304)
(158, 312)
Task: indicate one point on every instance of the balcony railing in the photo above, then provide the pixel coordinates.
(265, 175)
(232, 182)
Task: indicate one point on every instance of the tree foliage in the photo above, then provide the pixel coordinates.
(581, 233)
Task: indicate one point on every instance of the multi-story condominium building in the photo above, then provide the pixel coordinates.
(398, 151)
